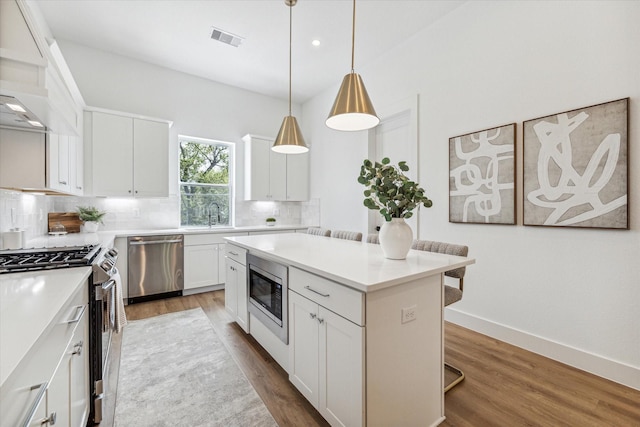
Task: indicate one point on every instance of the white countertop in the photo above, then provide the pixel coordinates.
(106, 237)
(359, 265)
(28, 304)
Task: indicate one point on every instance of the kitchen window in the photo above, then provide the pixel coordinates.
(205, 182)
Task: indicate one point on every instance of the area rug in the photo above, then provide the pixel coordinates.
(175, 371)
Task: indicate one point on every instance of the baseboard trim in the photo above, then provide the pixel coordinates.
(610, 369)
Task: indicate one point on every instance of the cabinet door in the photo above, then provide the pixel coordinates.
(58, 390)
(112, 160)
(231, 288)
(200, 266)
(243, 297)
(298, 177)
(303, 346)
(76, 166)
(341, 370)
(277, 175)
(257, 154)
(58, 162)
(150, 158)
(79, 374)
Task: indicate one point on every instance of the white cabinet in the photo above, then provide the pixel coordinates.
(129, 155)
(326, 351)
(235, 288)
(204, 260)
(201, 266)
(274, 176)
(53, 377)
(76, 173)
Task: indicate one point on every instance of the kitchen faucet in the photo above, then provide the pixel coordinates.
(209, 211)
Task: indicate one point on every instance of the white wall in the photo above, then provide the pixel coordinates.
(571, 294)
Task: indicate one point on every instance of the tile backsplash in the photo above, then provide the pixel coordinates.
(29, 212)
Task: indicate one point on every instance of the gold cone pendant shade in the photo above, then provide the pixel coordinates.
(289, 139)
(352, 109)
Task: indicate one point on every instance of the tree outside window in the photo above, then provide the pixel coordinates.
(205, 182)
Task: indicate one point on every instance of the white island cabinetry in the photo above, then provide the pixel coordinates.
(235, 287)
(353, 351)
(326, 350)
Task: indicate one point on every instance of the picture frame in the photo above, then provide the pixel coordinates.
(576, 168)
(482, 168)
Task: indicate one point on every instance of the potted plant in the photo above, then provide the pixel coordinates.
(395, 196)
(91, 217)
(270, 221)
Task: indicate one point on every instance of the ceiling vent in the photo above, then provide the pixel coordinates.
(225, 37)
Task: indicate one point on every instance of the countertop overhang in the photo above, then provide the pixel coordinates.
(359, 265)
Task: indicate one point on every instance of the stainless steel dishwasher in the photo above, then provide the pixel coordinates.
(156, 267)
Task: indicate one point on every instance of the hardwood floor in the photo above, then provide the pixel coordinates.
(504, 385)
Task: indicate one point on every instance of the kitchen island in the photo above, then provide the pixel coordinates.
(365, 332)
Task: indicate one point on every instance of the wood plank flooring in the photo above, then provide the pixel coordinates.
(504, 385)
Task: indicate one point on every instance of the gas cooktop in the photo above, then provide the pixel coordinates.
(20, 260)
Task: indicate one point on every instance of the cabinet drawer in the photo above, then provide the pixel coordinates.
(236, 253)
(338, 298)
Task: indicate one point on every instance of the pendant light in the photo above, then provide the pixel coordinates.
(289, 139)
(352, 109)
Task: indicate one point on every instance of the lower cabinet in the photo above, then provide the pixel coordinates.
(50, 385)
(204, 260)
(235, 288)
(326, 361)
(201, 266)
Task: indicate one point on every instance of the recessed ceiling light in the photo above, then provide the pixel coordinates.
(35, 124)
(16, 107)
(315, 42)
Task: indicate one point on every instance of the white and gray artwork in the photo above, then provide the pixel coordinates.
(575, 168)
(482, 176)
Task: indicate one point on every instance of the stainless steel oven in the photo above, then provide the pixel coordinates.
(268, 294)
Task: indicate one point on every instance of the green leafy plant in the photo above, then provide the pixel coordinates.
(389, 190)
(270, 220)
(91, 214)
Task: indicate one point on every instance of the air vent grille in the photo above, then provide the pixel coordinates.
(225, 37)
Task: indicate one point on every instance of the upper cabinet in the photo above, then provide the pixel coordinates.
(127, 156)
(274, 176)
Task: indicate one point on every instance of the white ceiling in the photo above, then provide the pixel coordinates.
(175, 34)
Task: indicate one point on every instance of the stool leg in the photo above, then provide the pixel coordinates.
(455, 382)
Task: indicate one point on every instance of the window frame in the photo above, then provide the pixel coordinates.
(231, 146)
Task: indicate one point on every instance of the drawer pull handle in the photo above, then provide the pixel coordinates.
(312, 315)
(36, 402)
(309, 288)
(79, 313)
(233, 253)
(320, 320)
(51, 419)
(78, 348)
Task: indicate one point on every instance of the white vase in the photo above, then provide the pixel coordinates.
(395, 238)
(90, 226)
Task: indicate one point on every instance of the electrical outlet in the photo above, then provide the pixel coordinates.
(276, 212)
(136, 213)
(409, 314)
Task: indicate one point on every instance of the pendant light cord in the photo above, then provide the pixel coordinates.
(290, 36)
(353, 35)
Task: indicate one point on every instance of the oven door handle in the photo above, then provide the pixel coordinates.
(106, 287)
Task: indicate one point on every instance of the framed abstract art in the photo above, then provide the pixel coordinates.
(576, 168)
(482, 176)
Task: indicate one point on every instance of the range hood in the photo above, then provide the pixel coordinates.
(13, 114)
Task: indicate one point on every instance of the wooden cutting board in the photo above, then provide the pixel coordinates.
(70, 221)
